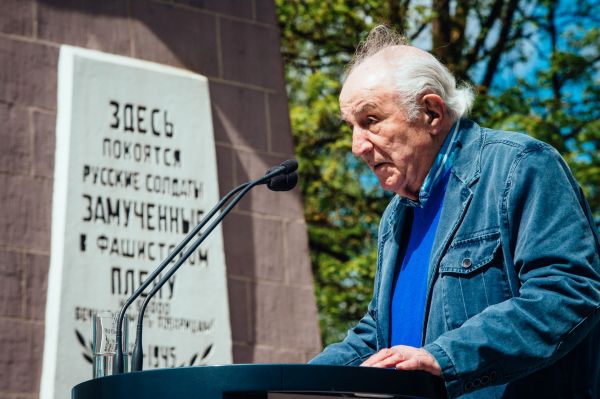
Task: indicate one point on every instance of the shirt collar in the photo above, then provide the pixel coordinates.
(441, 166)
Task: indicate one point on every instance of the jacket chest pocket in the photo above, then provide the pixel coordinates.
(472, 277)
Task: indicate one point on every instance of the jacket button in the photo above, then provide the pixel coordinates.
(466, 263)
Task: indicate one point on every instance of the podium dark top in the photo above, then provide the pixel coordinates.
(258, 381)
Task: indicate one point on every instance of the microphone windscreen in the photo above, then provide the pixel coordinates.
(290, 165)
(283, 182)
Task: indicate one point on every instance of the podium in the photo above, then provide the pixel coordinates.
(263, 381)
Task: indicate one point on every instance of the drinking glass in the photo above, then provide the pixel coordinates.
(104, 343)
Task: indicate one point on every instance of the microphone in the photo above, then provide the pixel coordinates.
(279, 178)
(283, 182)
(289, 166)
(286, 181)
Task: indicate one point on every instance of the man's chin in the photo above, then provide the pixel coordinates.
(397, 189)
(387, 185)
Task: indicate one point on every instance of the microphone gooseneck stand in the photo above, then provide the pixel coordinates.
(118, 361)
(137, 356)
(280, 178)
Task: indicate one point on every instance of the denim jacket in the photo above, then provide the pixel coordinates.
(513, 294)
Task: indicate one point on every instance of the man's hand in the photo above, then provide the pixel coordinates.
(404, 358)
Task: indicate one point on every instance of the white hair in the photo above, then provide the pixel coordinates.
(416, 76)
(415, 73)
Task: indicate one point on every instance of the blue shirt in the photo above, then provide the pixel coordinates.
(410, 281)
(409, 288)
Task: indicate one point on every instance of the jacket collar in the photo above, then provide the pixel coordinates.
(467, 162)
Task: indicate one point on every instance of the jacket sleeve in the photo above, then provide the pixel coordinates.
(361, 340)
(555, 251)
(359, 344)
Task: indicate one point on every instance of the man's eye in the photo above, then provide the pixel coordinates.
(370, 120)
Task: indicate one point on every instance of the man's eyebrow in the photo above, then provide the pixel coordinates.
(366, 107)
(361, 109)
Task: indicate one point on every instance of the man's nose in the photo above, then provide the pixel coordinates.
(360, 142)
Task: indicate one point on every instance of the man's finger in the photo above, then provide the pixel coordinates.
(419, 363)
(376, 358)
(390, 361)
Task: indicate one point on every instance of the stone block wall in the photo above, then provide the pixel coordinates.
(235, 43)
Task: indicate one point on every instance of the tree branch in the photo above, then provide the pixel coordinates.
(457, 36)
(440, 29)
(500, 46)
(418, 31)
(471, 56)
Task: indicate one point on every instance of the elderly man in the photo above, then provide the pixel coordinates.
(488, 270)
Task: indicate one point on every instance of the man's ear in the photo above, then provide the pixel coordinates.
(434, 110)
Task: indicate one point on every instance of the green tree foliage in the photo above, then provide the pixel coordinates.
(535, 65)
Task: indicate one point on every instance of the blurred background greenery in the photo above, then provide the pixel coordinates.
(535, 67)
